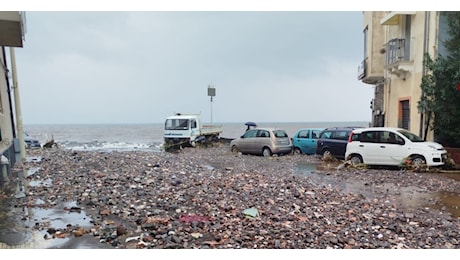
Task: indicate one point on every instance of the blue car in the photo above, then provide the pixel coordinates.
(304, 140)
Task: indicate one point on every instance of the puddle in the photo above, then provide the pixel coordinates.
(57, 218)
(449, 201)
(46, 183)
(408, 196)
(454, 176)
(23, 227)
(34, 159)
(32, 171)
(33, 232)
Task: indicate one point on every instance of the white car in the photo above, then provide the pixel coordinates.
(390, 146)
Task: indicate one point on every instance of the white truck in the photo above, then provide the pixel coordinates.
(183, 130)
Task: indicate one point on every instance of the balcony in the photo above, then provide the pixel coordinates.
(394, 17)
(397, 58)
(12, 28)
(370, 72)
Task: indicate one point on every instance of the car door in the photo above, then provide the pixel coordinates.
(262, 140)
(338, 143)
(394, 148)
(309, 142)
(314, 134)
(247, 141)
(302, 139)
(370, 147)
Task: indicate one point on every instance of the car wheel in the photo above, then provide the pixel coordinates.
(266, 152)
(235, 149)
(356, 159)
(297, 151)
(418, 161)
(327, 153)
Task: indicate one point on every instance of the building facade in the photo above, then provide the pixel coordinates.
(11, 36)
(395, 43)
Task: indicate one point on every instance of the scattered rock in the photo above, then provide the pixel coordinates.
(201, 197)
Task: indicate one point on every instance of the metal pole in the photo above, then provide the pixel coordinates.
(211, 109)
(17, 106)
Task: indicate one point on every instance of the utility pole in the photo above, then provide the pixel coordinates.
(17, 106)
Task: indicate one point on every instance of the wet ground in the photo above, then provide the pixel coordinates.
(16, 222)
(408, 196)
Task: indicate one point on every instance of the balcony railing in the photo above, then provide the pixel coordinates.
(396, 51)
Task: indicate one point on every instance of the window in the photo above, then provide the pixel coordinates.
(326, 135)
(407, 37)
(404, 116)
(176, 124)
(303, 134)
(250, 134)
(341, 135)
(280, 133)
(370, 137)
(365, 41)
(391, 138)
(263, 133)
(315, 134)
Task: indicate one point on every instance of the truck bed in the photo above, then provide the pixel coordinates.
(211, 129)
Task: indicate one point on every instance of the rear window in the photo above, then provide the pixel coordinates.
(280, 133)
(341, 135)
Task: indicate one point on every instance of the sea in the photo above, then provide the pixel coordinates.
(142, 137)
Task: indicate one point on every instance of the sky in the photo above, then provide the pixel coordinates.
(111, 66)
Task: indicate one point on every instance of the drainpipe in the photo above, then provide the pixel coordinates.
(17, 106)
(9, 92)
(422, 131)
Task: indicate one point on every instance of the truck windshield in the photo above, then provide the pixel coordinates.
(176, 124)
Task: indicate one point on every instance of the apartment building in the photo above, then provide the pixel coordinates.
(11, 36)
(394, 46)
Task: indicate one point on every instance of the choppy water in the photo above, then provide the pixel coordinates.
(149, 137)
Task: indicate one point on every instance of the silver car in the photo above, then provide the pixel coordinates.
(262, 141)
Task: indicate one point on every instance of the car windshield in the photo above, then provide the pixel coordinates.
(411, 136)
